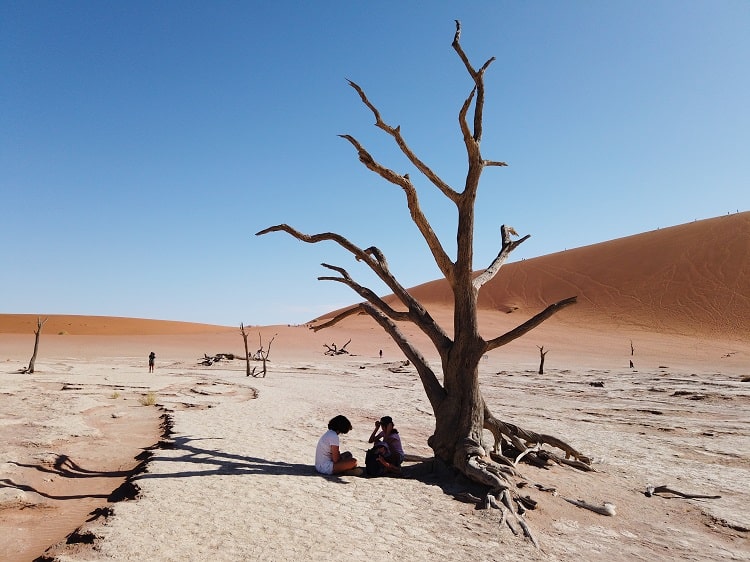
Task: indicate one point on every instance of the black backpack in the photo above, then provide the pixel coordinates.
(372, 466)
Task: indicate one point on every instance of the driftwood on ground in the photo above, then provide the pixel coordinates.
(209, 360)
(334, 350)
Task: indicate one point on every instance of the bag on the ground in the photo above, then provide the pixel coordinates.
(372, 466)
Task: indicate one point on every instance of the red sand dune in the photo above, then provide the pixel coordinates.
(74, 325)
(691, 279)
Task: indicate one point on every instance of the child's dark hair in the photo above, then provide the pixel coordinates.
(340, 424)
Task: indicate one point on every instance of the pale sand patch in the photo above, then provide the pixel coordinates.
(67, 444)
(239, 483)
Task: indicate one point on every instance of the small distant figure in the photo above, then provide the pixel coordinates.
(381, 353)
(389, 435)
(328, 458)
(151, 361)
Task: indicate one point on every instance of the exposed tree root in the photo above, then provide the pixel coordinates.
(511, 510)
(529, 443)
(498, 472)
(502, 494)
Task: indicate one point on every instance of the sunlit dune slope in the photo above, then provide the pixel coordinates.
(691, 279)
(101, 325)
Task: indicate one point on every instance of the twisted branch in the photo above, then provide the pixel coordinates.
(395, 132)
(425, 228)
(508, 246)
(529, 324)
(376, 262)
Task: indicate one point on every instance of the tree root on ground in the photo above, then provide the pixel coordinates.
(511, 510)
(478, 467)
(529, 443)
(498, 472)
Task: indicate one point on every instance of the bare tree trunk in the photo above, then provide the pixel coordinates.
(247, 352)
(542, 355)
(39, 324)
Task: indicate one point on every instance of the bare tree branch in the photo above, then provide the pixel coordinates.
(434, 390)
(471, 145)
(530, 324)
(441, 257)
(508, 246)
(353, 311)
(376, 262)
(478, 77)
(367, 294)
(395, 132)
(372, 257)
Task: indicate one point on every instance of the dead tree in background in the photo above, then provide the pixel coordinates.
(39, 324)
(542, 355)
(333, 349)
(461, 413)
(247, 352)
(261, 355)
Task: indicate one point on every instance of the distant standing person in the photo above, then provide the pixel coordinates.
(151, 361)
(328, 458)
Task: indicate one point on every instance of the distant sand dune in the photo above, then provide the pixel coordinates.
(74, 325)
(692, 279)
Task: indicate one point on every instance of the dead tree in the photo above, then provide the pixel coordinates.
(261, 355)
(461, 413)
(247, 353)
(333, 349)
(39, 324)
(542, 355)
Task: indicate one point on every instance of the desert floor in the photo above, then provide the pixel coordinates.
(232, 477)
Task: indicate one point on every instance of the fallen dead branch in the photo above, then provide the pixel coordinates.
(334, 350)
(606, 509)
(209, 360)
(672, 493)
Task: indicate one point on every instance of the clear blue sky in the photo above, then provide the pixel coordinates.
(142, 144)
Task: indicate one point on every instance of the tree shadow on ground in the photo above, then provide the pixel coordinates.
(66, 468)
(207, 462)
(210, 462)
